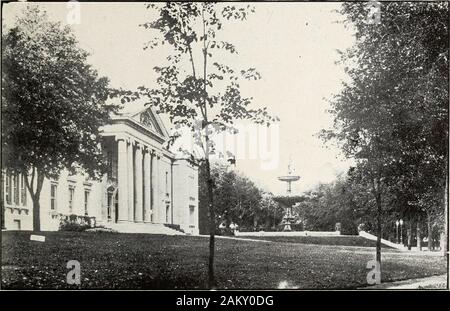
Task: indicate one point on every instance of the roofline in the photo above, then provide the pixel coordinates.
(126, 119)
(158, 119)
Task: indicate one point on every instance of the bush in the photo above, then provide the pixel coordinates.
(101, 229)
(72, 226)
(76, 223)
(349, 228)
(225, 232)
(297, 227)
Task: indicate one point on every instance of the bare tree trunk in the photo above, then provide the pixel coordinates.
(212, 226)
(36, 214)
(409, 234)
(35, 195)
(446, 189)
(419, 236)
(430, 234)
(445, 237)
(379, 231)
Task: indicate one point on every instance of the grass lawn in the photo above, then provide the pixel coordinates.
(344, 240)
(143, 261)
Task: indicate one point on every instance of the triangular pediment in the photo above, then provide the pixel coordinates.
(151, 121)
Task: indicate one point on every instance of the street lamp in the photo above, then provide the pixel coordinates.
(401, 231)
(396, 225)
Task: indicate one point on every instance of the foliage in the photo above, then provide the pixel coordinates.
(53, 101)
(328, 204)
(195, 89)
(53, 104)
(238, 200)
(393, 115)
(72, 226)
(76, 223)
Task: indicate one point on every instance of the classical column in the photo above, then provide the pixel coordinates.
(138, 209)
(130, 170)
(155, 187)
(147, 189)
(122, 178)
(104, 184)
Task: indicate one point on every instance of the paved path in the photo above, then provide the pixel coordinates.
(436, 281)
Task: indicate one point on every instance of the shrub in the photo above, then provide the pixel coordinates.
(225, 232)
(101, 229)
(72, 226)
(348, 227)
(76, 223)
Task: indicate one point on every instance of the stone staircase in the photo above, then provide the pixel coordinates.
(143, 228)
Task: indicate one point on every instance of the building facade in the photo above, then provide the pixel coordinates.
(145, 183)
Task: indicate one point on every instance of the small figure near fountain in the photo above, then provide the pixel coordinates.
(289, 178)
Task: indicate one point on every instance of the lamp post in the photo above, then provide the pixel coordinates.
(401, 231)
(396, 225)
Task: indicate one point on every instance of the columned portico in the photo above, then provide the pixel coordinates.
(140, 191)
(135, 193)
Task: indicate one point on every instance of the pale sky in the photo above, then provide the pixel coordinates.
(292, 45)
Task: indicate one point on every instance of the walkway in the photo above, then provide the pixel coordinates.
(431, 282)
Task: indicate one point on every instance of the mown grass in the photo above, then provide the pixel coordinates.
(343, 240)
(143, 261)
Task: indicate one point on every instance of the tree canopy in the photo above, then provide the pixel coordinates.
(239, 200)
(392, 116)
(194, 88)
(53, 103)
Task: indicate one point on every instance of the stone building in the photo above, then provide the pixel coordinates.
(146, 188)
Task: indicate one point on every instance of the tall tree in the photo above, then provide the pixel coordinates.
(195, 89)
(53, 104)
(394, 111)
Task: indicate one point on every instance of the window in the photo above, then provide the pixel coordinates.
(71, 196)
(167, 183)
(191, 215)
(23, 190)
(8, 189)
(86, 201)
(53, 188)
(2, 176)
(16, 189)
(109, 205)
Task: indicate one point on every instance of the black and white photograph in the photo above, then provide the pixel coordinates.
(183, 146)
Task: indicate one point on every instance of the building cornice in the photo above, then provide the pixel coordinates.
(139, 127)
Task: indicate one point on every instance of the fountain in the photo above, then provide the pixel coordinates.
(289, 178)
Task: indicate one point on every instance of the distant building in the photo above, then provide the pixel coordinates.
(145, 184)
